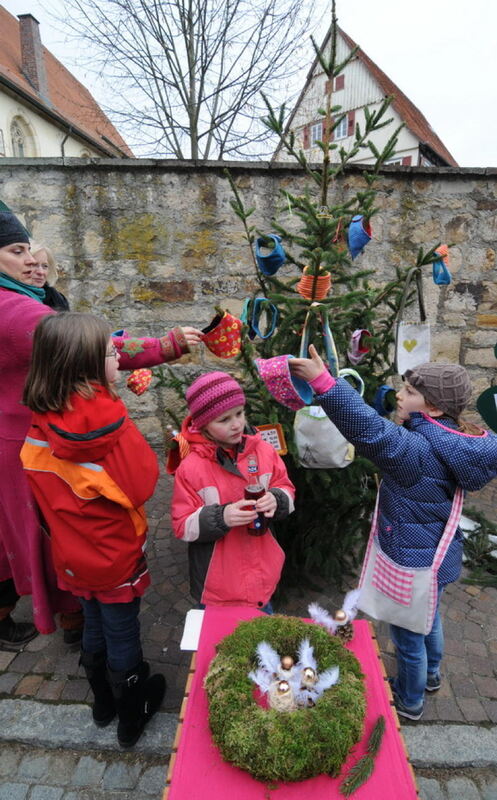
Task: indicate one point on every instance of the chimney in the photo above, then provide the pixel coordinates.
(33, 64)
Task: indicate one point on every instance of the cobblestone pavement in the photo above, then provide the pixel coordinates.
(50, 750)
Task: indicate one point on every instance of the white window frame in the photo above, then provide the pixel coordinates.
(316, 132)
(396, 160)
(342, 129)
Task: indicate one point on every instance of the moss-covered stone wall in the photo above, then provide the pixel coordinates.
(151, 244)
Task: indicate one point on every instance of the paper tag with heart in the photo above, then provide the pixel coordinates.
(412, 346)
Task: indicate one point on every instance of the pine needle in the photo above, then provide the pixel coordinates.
(360, 772)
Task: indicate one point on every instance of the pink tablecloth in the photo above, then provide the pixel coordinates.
(201, 774)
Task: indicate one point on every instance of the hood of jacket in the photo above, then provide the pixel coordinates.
(89, 430)
(190, 439)
(471, 459)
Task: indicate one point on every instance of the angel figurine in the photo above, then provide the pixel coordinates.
(341, 623)
(312, 683)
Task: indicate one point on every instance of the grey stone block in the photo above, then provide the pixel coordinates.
(14, 791)
(88, 772)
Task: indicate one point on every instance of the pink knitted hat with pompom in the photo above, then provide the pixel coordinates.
(211, 395)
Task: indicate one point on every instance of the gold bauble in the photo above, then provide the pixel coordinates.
(309, 674)
(287, 662)
(283, 687)
(340, 616)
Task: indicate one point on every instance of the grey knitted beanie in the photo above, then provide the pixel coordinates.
(446, 386)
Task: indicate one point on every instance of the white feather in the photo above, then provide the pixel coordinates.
(262, 678)
(350, 602)
(322, 617)
(305, 655)
(326, 679)
(268, 657)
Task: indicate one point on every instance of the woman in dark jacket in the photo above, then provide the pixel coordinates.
(45, 275)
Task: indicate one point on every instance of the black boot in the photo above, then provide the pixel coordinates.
(137, 698)
(14, 635)
(104, 707)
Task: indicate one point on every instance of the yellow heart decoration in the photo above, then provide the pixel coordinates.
(410, 344)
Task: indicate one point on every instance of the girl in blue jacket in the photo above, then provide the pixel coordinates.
(423, 461)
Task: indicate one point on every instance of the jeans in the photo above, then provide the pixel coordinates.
(417, 656)
(113, 628)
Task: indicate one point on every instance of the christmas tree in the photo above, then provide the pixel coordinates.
(333, 505)
(331, 518)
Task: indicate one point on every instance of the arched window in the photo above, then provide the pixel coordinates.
(23, 144)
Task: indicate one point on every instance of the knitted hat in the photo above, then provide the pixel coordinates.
(446, 386)
(211, 395)
(11, 230)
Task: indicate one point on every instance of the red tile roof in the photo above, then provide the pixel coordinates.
(409, 113)
(69, 100)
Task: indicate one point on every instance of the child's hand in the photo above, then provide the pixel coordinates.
(307, 368)
(267, 504)
(240, 513)
(192, 335)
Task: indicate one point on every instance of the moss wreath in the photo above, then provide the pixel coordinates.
(289, 746)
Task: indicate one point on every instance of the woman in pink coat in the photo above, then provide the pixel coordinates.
(25, 559)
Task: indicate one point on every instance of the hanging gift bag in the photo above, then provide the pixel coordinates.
(404, 596)
(320, 444)
(412, 339)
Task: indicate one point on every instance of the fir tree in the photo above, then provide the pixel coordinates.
(331, 517)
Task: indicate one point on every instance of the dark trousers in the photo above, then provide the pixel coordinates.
(113, 628)
(8, 598)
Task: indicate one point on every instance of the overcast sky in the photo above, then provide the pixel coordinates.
(441, 53)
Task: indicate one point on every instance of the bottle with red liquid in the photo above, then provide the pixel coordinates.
(253, 490)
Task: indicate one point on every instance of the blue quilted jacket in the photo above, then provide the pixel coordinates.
(422, 463)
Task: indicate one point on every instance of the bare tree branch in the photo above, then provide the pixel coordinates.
(184, 77)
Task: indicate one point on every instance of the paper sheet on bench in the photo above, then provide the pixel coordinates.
(191, 631)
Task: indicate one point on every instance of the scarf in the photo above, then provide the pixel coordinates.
(6, 282)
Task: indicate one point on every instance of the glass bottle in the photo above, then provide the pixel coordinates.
(253, 490)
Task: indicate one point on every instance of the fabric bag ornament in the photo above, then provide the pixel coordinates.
(404, 596)
(286, 388)
(487, 407)
(441, 274)
(253, 308)
(320, 445)
(139, 380)
(412, 339)
(312, 287)
(269, 263)
(384, 400)
(223, 335)
(358, 235)
(358, 347)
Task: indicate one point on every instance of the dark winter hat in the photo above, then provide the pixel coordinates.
(11, 230)
(211, 395)
(446, 386)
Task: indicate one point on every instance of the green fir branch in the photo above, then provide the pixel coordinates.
(362, 770)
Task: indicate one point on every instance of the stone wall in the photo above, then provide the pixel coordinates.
(150, 244)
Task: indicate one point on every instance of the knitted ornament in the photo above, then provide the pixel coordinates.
(223, 335)
(139, 380)
(212, 395)
(446, 386)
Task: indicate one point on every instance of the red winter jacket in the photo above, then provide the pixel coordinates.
(228, 566)
(91, 471)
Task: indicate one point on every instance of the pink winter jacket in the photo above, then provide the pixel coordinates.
(228, 566)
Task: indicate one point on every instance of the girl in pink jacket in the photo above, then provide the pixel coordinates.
(220, 457)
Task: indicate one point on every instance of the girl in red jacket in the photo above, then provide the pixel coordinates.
(228, 566)
(91, 471)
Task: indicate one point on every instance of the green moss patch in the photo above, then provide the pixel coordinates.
(289, 746)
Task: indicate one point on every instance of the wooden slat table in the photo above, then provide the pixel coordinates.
(197, 772)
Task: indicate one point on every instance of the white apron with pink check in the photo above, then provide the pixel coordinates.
(404, 596)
